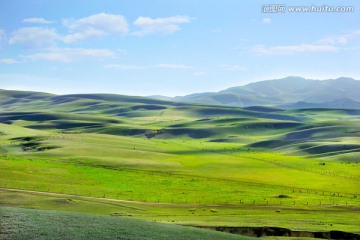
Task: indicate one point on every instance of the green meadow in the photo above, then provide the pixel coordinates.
(81, 226)
(195, 165)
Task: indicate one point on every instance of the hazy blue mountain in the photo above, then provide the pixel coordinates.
(290, 90)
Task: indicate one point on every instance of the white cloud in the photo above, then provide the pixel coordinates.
(173, 66)
(97, 25)
(71, 54)
(292, 49)
(8, 61)
(266, 20)
(230, 67)
(159, 25)
(37, 20)
(34, 37)
(90, 33)
(123, 67)
(343, 39)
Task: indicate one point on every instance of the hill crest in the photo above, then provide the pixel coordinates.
(283, 92)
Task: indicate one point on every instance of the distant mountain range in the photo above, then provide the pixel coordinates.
(290, 93)
(286, 93)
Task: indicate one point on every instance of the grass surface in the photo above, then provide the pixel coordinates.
(305, 218)
(181, 163)
(17, 223)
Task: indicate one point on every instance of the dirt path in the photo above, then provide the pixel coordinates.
(97, 199)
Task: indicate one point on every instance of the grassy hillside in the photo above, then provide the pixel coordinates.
(188, 164)
(17, 223)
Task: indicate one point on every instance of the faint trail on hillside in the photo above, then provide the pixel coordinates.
(112, 201)
(76, 196)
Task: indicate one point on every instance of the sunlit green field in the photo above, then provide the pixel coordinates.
(190, 164)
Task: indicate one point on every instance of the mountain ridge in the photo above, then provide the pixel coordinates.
(282, 93)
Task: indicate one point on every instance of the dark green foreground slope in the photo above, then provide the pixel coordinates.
(17, 223)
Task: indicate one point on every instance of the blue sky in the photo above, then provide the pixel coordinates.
(170, 47)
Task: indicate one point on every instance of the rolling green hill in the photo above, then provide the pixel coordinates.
(142, 117)
(181, 163)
